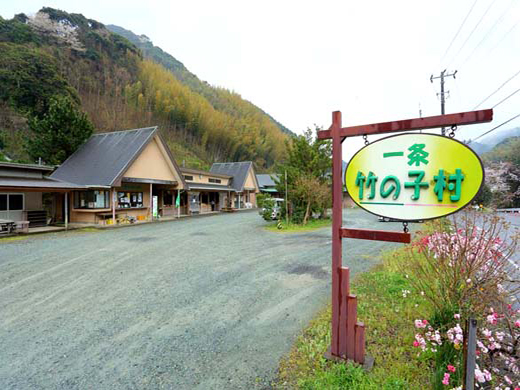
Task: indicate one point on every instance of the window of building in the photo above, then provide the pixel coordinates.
(218, 181)
(167, 198)
(16, 202)
(128, 200)
(92, 199)
(3, 202)
(11, 202)
(188, 177)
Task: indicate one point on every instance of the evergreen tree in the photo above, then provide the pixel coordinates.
(61, 130)
(308, 167)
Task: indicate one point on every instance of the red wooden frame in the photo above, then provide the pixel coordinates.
(348, 335)
(429, 122)
(376, 235)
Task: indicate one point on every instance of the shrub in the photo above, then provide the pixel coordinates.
(464, 269)
(260, 199)
(462, 266)
(266, 212)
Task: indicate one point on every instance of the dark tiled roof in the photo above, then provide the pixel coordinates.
(266, 180)
(200, 172)
(37, 167)
(104, 157)
(45, 183)
(238, 170)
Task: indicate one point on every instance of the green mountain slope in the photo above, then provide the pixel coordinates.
(507, 150)
(120, 87)
(220, 98)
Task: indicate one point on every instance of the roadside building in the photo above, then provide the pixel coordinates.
(267, 184)
(125, 175)
(244, 184)
(208, 192)
(122, 176)
(27, 194)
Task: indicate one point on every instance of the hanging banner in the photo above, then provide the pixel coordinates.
(415, 176)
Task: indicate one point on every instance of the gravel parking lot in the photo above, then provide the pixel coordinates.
(208, 302)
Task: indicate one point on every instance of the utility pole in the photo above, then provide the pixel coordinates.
(286, 199)
(420, 115)
(443, 98)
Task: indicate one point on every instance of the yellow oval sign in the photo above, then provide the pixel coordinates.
(414, 176)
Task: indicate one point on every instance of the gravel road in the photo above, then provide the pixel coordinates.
(201, 303)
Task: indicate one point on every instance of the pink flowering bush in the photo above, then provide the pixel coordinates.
(463, 267)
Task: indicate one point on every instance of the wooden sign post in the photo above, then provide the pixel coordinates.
(348, 335)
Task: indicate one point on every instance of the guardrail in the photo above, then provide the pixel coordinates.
(517, 210)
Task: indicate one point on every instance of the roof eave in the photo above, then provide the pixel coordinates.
(117, 179)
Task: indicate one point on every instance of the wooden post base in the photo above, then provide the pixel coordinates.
(367, 365)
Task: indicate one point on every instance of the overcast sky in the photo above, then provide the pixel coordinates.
(301, 60)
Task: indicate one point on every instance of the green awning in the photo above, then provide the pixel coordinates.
(268, 190)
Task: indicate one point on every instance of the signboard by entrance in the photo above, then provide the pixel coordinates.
(414, 176)
(347, 333)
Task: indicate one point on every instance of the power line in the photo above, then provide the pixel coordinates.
(498, 89)
(504, 36)
(458, 31)
(503, 100)
(489, 31)
(494, 128)
(474, 29)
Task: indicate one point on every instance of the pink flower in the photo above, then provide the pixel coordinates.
(420, 323)
(420, 342)
(451, 368)
(446, 379)
(456, 316)
(517, 323)
(492, 319)
(479, 376)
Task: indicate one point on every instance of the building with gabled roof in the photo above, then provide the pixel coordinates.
(123, 176)
(207, 191)
(244, 182)
(267, 184)
(127, 174)
(22, 190)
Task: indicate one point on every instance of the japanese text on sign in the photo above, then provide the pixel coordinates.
(436, 175)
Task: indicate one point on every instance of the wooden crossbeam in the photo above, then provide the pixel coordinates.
(376, 235)
(429, 122)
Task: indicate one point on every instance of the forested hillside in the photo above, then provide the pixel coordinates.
(503, 172)
(220, 98)
(59, 54)
(507, 150)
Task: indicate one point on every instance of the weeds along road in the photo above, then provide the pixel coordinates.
(209, 302)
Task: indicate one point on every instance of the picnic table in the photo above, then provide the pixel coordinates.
(7, 226)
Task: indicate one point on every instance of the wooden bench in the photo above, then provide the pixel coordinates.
(22, 226)
(7, 226)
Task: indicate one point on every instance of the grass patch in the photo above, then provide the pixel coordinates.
(88, 230)
(388, 317)
(12, 238)
(313, 224)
